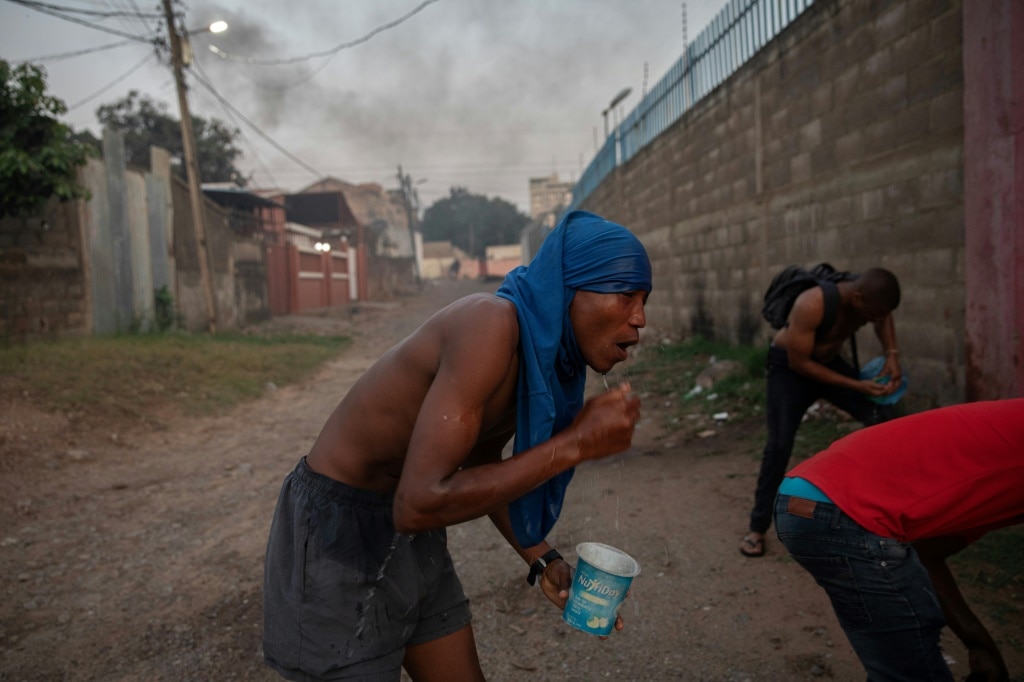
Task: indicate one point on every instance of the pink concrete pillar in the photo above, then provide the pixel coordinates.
(993, 55)
(326, 263)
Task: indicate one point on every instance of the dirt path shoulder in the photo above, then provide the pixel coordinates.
(138, 556)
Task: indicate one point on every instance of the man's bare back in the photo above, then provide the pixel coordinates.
(429, 420)
(366, 440)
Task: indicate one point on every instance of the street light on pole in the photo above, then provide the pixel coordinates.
(623, 94)
(191, 162)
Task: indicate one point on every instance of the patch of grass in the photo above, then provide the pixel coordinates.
(669, 372)
(994, 560)
(814, 435)
(141, 375)
(672, 369)
(990, 568)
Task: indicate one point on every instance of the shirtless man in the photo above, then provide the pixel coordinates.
(358, 579)
(804, 365)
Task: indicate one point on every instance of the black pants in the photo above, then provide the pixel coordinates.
(789, 395)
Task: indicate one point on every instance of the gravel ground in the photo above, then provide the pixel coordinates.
(138, 556)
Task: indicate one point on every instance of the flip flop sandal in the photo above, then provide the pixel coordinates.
(756, 547)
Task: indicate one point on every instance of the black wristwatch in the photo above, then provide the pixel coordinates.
(538, 566)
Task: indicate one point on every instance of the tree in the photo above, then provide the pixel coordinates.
(145, 122)
(473, 222)
(38, 155)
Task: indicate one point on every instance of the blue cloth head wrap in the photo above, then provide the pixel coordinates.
(585, 252)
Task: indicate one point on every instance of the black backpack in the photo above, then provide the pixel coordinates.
(791, 282)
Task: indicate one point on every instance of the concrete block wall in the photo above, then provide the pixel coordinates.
(841, 141)
(42, 288)
(190, 298)
(87, 266)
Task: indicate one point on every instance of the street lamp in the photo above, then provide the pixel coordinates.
(188, 141)
(186, 44)
(611, 107)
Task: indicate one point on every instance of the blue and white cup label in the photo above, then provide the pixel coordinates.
(602, 579)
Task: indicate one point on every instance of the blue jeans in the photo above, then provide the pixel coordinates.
(880, 590)
(788, 396)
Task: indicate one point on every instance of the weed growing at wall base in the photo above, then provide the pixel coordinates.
(669, 373)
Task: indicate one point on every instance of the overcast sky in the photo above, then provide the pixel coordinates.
(482, 94)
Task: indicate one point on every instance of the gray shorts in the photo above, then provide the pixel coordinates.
(343, 593)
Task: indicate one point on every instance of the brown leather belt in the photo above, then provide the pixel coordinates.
(798, 506)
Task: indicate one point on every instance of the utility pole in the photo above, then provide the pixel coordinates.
(411, 209)
(191, 167)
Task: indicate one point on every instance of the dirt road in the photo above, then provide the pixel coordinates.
(138, 556)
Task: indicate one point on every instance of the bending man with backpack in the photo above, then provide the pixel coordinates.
(804, 365)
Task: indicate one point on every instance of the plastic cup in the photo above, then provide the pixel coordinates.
(603, 576)
(871, 370)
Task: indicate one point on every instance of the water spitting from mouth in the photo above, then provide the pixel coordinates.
(605, 377)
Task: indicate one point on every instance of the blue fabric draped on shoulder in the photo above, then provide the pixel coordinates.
(584, 252)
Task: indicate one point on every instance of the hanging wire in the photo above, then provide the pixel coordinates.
(213, 91)
(334, 50)
(234, 119)
(77, 53)
(112, 83)
(39, 8)
(75, 10)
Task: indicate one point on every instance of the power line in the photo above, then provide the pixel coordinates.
(36, 7)
(334, 50)
(112, 83)
(77, 53)
(278, 147)
(89, 12)
(252, 147)
(484, 168)
(330, 54)
(134, 17)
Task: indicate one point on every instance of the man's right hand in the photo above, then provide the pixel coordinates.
(555, 581)
(605, 424)
(870, 387)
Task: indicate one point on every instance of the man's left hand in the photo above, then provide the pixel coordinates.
(555, 581)
(892, 370)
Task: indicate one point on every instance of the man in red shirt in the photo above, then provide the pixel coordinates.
(874, 516)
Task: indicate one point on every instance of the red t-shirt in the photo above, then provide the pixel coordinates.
(950, 471)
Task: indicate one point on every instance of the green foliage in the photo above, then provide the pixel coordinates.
(994, 561)
(146, 375)
(702, 349)
(38, 155)
(473, 222)
(93, 145)
(163, 309)
(815, 435)
(988, 571)
(671, 370)
(145, 122)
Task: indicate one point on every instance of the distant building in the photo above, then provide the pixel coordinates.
(549, 196)
(439, 256)
(500, 260)
(375, 219)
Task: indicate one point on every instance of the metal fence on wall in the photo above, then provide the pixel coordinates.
(739, 31)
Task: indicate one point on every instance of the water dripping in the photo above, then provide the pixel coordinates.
(361, 612)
